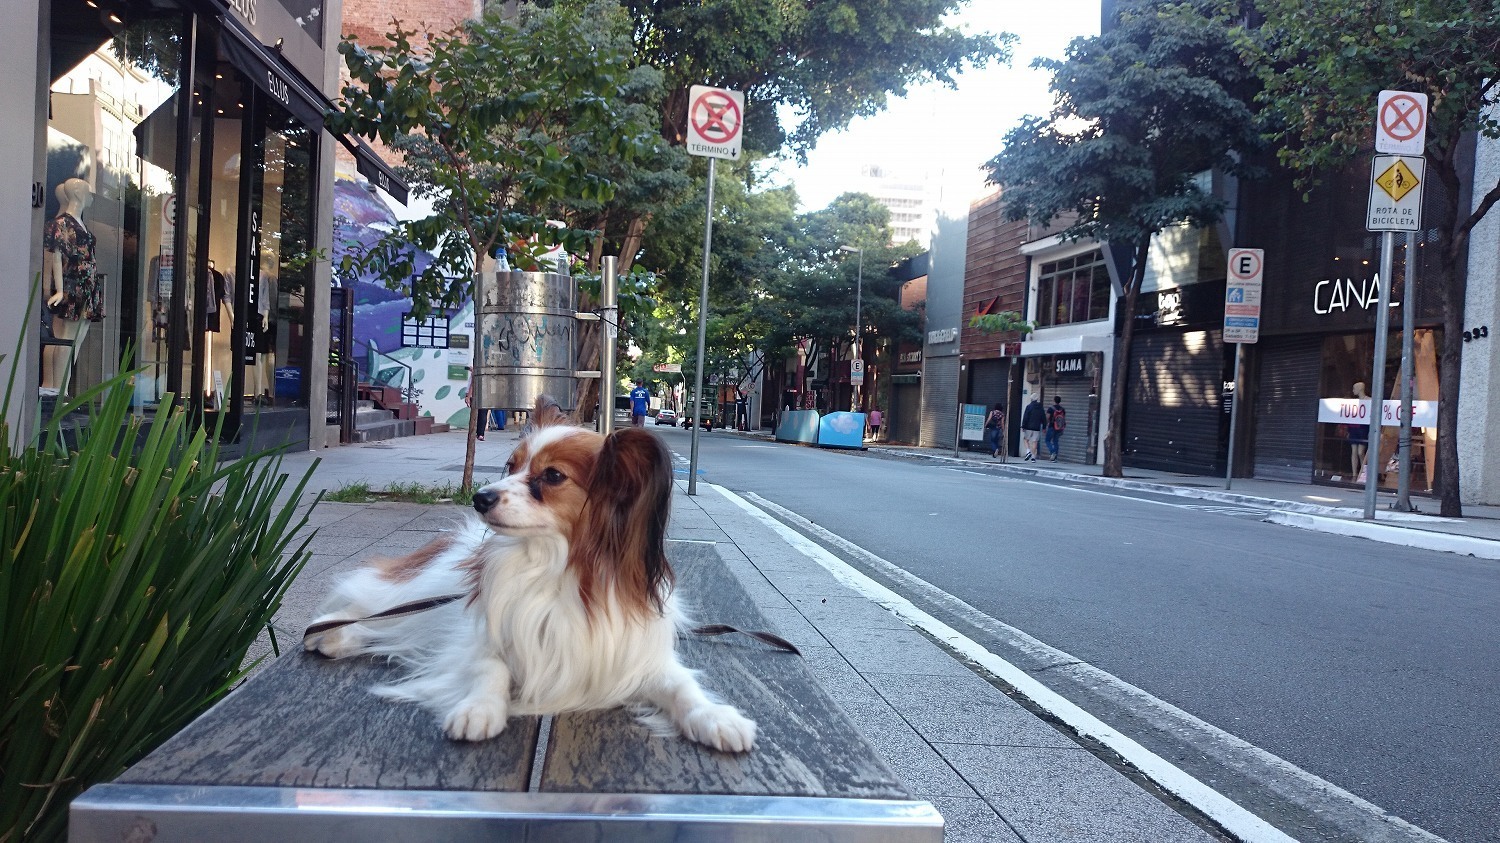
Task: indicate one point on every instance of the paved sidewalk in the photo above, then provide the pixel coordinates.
(995, 770)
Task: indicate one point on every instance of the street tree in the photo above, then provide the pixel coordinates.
(819, 65)
(487, 116)
(747, 261)
(1324, 63)
(816, 65)
(1140, 113)
(816, 302)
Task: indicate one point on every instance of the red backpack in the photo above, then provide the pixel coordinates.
(1059, 418)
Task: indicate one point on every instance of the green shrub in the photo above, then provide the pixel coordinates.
(135, 573)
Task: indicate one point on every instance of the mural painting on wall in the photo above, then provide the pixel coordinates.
(439, 376)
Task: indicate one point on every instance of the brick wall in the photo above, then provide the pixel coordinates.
(995, 274)
(369, 21)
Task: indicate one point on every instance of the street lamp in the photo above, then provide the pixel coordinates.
(859, 288)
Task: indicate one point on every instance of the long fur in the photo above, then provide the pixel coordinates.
(569, 598)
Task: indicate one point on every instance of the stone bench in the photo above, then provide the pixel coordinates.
(303, 751)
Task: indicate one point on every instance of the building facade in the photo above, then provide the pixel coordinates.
(180, 182)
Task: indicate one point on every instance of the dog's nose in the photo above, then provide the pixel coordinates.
(485, 500)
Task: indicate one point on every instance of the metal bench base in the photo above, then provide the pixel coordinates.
(232, 813)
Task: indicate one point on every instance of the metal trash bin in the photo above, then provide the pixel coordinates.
(526, 339)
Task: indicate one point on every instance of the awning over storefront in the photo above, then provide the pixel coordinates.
(373, 168)
(284, 84)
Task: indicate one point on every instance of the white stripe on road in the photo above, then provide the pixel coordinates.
(1235, 819)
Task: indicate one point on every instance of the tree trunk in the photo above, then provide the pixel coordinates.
(1114, 462)
(1450, 362)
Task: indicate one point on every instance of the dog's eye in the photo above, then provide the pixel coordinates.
(552, 477)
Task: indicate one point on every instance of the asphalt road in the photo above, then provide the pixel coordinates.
(1366, 666)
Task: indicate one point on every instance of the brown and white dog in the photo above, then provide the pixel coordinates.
(569, 598)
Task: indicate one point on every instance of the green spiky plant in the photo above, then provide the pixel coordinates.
(135, 573)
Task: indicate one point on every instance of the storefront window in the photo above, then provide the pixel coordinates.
(1075, 289)
(111, 153)
(1344, 450)
(276, 350)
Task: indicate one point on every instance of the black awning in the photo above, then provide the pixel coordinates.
(279, 80)
(373, 168)
(270, 74)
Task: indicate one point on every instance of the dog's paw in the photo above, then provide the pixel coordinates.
(335, 643)
(475, 720)
(721, 727)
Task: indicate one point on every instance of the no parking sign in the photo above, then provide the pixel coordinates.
(715, 117)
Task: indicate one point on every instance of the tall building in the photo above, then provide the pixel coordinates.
(908, 198)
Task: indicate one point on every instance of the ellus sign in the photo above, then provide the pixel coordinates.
(715, 117)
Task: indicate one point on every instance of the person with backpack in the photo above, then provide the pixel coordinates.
(994, 428)
(1057, 422)
(1032, 420)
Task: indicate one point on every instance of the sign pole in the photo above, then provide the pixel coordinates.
(1377, 373)
(697, 396)
(609, 314)
(1408, 303)
(1242, 292)
(1234, 414)
(1396, 190)
(714, 119)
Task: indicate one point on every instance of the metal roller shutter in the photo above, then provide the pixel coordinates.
(1286, 408)
(1074, 445)
(939, 402)
(1174, 411)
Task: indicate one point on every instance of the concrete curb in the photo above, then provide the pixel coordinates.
(1406, 536)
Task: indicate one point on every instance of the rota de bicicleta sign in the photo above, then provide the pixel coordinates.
(715, 117)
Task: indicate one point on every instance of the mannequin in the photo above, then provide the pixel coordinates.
(1359, 435)
(265, 340)
(74, 290)
(215, 308)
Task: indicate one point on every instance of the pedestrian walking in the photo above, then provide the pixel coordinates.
(640, 400)
(479, 417)
(994, 428)
(1032, 420)
(1057, 422)
(875, 423)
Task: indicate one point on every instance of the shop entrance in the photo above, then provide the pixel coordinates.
(248, 349)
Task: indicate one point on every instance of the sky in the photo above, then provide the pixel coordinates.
(942, 134)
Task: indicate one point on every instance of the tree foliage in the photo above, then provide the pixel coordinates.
(505, 123)
(1324, 63)
(822, 64)
(1141, 113)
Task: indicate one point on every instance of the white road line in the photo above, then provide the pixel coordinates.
(1117, 495)
(1238, 821)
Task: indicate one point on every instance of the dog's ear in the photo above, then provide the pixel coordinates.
(620, 537)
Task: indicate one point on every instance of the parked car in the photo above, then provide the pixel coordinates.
(666, 417)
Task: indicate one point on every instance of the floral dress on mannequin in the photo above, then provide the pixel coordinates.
(83, 297)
